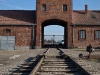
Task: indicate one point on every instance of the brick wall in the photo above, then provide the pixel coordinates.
(90, 36)
(54, 11)
(23, 34)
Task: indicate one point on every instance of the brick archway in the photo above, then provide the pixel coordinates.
(53, 13)
(40, 40)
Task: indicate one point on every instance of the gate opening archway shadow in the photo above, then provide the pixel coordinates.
(55, 22)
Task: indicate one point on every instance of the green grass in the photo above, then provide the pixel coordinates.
(95, 60)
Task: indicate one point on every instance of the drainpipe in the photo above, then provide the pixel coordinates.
(73, 34)
(33, 35)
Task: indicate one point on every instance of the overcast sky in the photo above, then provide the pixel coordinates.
(31, 5)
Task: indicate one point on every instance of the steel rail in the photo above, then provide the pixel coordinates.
(42, 58)
(76, 64)
(39, 63)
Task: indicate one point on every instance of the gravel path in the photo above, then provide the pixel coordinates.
(91, 66)
(10, 60)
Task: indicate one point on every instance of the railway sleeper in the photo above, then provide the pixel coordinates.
(58, 70)
(58, 66)
(57, 62)
(58, 73)
(20, 74)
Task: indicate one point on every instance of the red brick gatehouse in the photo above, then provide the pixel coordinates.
(24, 29)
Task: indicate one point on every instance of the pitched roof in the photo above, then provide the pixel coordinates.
(79, 17)
(27, 17)
(20, 17)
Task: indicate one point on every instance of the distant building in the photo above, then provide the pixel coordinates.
(24, 29)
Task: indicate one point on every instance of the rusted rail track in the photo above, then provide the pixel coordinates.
(26, 68)
(57, 64)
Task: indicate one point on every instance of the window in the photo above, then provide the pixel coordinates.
(64, 7)
(44, 7)
(82, 34)
(7, 30)
(93, 15)
(97, 33)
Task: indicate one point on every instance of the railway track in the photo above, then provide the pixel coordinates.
(52, 62)
(27, 67)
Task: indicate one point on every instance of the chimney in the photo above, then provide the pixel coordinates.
(86, 9)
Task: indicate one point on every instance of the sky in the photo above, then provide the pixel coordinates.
(31, 5)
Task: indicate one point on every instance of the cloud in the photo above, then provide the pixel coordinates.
(3, 2)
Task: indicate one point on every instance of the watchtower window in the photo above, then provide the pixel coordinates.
(44, 7)
(64, 7)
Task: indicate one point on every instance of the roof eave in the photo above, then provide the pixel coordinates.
(18, 24)
(84, 24)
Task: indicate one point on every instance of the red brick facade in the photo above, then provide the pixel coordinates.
(89, 21)
(23, 34)
(90, 36)
(21, 24)
(54, 11)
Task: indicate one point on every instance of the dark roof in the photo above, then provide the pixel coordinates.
(92, 17)
(20, 17)
(28, 17)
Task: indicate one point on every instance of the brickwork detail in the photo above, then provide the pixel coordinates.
(53, 11)
(23, 34)
(90, 36)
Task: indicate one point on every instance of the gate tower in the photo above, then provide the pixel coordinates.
(54, 12)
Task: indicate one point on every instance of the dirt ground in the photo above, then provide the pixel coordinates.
(9, 60)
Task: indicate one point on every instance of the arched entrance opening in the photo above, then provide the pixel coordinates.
(54, 40)
(53, 36)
